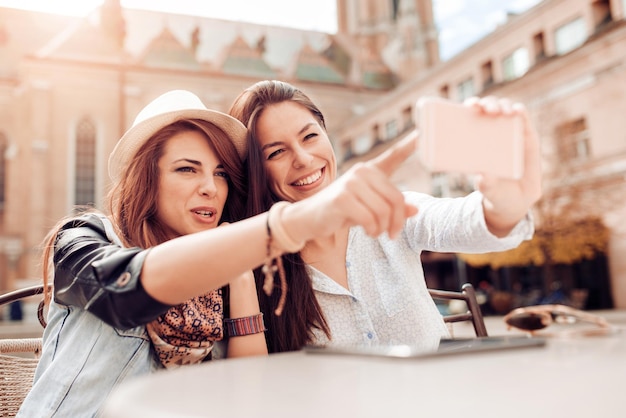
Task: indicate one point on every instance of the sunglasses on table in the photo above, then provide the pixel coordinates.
(534, 318)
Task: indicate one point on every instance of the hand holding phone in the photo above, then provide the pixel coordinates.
(459, 138)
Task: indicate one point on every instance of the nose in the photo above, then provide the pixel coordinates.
(208, 187)
(302, 157)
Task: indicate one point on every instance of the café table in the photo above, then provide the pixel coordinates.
(568, 377)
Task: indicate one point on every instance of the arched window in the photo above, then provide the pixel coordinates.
(394, 9)
(85, 166)
(4, 144)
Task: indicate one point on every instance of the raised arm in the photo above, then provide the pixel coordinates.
(507, 201)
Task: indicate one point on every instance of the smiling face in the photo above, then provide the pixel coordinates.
(193, 185)
(297, 152)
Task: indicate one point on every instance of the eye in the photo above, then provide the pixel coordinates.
(223, 174)
(310, 136)
(275, 153)
(186, 169)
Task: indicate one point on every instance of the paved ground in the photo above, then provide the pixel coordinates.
(29, 327)
(16, 329)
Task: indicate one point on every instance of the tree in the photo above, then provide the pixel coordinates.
(559, 242)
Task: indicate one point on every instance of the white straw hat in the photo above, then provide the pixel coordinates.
(165, 110)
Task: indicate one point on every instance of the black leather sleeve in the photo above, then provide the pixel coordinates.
(92, 273)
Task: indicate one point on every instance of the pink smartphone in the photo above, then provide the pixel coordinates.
(457, 138)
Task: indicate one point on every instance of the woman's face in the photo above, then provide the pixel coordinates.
(193, 185)
(299, 157)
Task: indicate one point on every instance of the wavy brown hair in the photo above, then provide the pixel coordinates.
(132, 201)
(292, 329)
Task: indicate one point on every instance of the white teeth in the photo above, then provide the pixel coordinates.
(207, 213)
(308, 180)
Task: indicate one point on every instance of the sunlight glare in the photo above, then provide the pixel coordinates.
(60, 7)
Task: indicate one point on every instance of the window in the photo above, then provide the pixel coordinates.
(375, 134)
(450, 185)
(85, 166)
(394, 9)
(407, 119)
(573, 142)
(439, 185)
(601, 10)
(570, 36)
(4, 144)
(391, 130)
(346, 150)
(487, 74)
(466, 89)
(361, 145)
(444, 91)
(539, 47)
(515, 64)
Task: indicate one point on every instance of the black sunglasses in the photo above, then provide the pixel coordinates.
(534, 318)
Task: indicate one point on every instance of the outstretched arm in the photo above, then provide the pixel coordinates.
(507, 201)
(194, 264)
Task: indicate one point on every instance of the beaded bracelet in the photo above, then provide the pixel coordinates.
(248, 325)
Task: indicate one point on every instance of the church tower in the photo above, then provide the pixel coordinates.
(401, 32)
(112, 21)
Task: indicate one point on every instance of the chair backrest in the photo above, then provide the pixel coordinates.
(473, 313)
(18, 357)
(24, 293)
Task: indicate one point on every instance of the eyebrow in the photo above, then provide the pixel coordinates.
(188, 160)
(195, 162)
(300, 132)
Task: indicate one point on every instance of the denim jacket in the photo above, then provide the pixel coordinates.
(96, 336)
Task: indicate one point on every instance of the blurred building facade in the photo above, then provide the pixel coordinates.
(69, 88)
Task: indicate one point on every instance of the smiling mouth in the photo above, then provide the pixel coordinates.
(204, 213)
(308, 179)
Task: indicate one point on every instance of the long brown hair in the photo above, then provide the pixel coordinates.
(132, 201)
(302, 313)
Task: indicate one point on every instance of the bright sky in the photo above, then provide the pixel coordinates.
(312, 15)
(463, 22)
(460, 22)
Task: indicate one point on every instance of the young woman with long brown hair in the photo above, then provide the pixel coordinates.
(352, 288)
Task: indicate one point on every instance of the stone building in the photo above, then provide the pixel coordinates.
(69, 87)
(566, 61)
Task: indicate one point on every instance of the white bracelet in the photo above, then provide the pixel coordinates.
(277, 237)
(277, 231)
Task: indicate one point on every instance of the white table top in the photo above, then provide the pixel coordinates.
(583, 377)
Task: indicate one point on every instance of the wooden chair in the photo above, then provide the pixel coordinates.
(18, 357)
(473, 313)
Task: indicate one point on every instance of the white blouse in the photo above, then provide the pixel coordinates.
(387, 301)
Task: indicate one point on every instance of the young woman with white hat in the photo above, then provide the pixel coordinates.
(119, 280)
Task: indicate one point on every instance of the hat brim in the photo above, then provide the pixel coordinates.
(138, 135)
